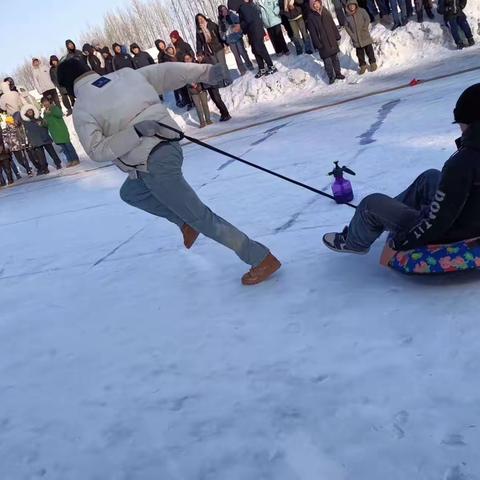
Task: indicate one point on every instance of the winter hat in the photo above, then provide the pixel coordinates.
(25, 109)
(352, 2)
(115, 45)
(67, 42)
(68, 71)
(52, 59)
(467, 109)
(134, 45)
(10, 120)
(175, 35)
(87, 48)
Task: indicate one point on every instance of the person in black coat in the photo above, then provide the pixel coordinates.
(73, 52)
(437, 208)
(108, 59)
(161, 47)
(325, 38)
(455, 18)
(140, 57)
(66, 99)
(92, 60)
(252, 25)
(213, 90)
(121, 60)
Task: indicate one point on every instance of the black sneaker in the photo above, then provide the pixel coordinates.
(471, 42)
(338, 243)
(460, 46)
(261, 73)
(340, 77)
(395, 26)
(331, 81)
(271, 70)
(225, 118)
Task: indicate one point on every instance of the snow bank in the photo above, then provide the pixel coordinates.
(407, 46)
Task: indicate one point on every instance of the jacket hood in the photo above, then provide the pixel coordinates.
(351, 2)
(52, 59)
(105, 50)
(4, 87)
(72, 42)
(87, 48)
(134, 45)
(116, 45)
(25, 109)
(158, 42)
(175, 35)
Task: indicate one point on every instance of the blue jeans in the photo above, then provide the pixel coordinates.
(164, 192)
(70, 153)
(395, 4)
(378, 213)
(457, 23)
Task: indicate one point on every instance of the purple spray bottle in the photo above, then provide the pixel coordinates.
(341, 188)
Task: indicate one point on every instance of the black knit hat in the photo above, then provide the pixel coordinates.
(68, 71)
(467, 109)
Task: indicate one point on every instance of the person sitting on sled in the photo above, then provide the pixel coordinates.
(117, 117)
(439, 207)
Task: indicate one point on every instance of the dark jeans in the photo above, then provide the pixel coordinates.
(339, 7)
(278, 41)
(370, 54)
(66, 102)
(241, 56)
(288, 28)
(69, 151)
(217, 100)
(332, 66)
(22, 159)
(378, 213)
(52, 95)
(42, 159)
(6, 167)
(457, 23)
(260, 51)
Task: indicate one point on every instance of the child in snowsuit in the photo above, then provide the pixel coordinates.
(357, 25)
(325, 37)
(439, 207)
(214, 91)
(200, 99)
(15, 141)
(455, 18)
(57, 128)
(39, 139)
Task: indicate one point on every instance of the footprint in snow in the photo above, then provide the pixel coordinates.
(454, 440)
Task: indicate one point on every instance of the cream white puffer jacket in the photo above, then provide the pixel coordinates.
(107, 108)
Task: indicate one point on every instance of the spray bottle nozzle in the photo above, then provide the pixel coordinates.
(338, 171)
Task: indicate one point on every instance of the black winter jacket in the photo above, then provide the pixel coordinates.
(216, 43)
(143, 59)
(183, 48)
(293, 12)
(121, 60)
(451, 8)
(324, 33)
(453, 214)
(37, 134)
(251, 22)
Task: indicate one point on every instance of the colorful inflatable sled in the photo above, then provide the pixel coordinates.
(455, 257)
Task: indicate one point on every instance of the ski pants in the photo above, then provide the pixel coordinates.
(458, 23)
(164, 192)
(378, 213)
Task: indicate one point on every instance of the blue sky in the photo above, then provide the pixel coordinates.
(40, 27)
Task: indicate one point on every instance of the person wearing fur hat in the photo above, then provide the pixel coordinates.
(438, 207)
(325, 37)
(108, 60)
(66, 100)
(15, 141)
(357, 25)
(251, 24)
(140, 58)
(43, 82)
(92, 60)
(38, 138)
(131, 134)
(120, 59)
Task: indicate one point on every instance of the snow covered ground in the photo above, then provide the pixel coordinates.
(125, 357)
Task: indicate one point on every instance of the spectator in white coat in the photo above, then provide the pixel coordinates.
(11, 101)
(43, 82)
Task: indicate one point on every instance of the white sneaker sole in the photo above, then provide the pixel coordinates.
(355, 252)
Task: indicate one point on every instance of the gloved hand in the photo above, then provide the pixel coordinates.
(147, 128)
(215, 74)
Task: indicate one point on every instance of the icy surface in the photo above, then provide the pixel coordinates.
(125, 357)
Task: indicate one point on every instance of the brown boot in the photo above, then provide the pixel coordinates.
(189, 236)
(261, 272)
